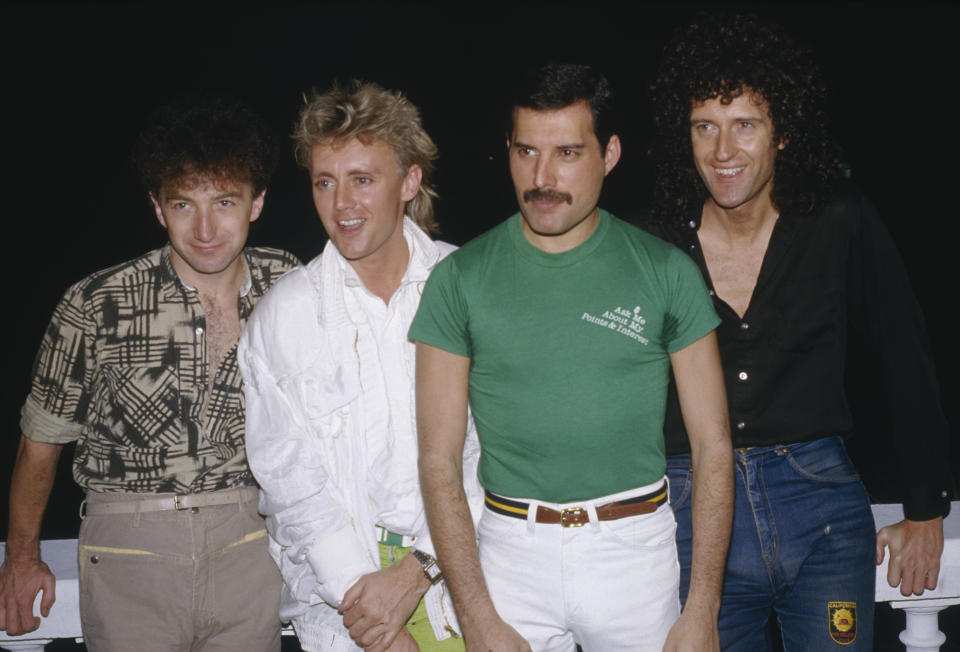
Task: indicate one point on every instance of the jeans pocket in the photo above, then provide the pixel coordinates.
(823, 460)
(681, 480)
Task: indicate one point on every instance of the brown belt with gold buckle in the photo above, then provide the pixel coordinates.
(578, 516)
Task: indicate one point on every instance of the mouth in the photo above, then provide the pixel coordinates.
(349, 225)
(729, 172)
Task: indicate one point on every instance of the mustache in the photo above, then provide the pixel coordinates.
(537, 194)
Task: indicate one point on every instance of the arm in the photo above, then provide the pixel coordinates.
(22, 574)
(442, 386)
(704, 405)
(915, 549)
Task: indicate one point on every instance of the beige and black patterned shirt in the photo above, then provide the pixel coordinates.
(123, 371)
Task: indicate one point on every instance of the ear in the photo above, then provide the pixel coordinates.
(612, 155)
(157, 210)
(257, 206)
(410, 185)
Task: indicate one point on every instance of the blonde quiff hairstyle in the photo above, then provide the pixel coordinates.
(369, 113)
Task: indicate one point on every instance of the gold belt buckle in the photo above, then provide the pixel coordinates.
(573, 517)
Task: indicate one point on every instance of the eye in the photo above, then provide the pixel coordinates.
(364, 181)
(180, 205)
(745, 124)
(322, 184)
(523, 150)
(704, 128)
(568, 153)
(226, 203)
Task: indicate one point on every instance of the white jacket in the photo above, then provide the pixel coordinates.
(320, 440)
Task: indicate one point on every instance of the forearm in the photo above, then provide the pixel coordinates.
(712, 515)
(30, 486)
(454, 538)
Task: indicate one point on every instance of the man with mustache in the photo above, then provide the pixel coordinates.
(561, 325)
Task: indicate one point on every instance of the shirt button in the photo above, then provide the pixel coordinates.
(743, 375)
(692, 224)
(741, 425)
(711, 293)
(198, 331)
(744, 326)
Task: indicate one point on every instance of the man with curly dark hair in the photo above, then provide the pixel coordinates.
(749, 185)
(138, 367)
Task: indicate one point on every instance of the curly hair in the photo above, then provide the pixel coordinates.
(368, 112)
(724, 57)
(205, 137)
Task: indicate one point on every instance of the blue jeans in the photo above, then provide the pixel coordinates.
(802, 548)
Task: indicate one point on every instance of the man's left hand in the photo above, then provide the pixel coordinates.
(693, 633)
(915, 549)
(379, 604)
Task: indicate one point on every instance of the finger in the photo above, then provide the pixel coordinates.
(933, 574)
(881, 546)
(49, 588)
(894, 573)
(906, 582)
(373, 636)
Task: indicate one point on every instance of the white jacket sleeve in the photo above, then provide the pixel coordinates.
(317, 546)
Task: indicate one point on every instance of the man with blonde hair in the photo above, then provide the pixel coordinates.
(331, 427)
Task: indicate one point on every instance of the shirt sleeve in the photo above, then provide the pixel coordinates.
(885, 311)
(690, 311)
(321, 554)
(59, 392)
(442, 318)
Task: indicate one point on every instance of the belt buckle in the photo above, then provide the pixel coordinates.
(180, 507)
(569, 517)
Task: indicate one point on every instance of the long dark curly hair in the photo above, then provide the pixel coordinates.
(722, 57)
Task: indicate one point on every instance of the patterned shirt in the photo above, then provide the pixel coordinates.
(122, 370)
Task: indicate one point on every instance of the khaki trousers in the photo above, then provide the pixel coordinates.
(186, 580)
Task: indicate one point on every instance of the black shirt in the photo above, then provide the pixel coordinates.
(784, 361)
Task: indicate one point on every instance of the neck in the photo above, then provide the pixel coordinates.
(747, 222)
(561, 242)
(222, 285)
(382, 274)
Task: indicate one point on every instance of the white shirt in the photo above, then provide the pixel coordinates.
(331, 429)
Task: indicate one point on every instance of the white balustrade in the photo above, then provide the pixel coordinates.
(922, 633)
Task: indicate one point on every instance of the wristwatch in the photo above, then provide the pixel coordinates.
(431, 569)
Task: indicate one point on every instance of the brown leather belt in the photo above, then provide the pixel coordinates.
(578, 516)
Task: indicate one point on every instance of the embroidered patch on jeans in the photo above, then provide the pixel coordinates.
(842, 618)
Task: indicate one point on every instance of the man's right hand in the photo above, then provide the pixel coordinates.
(20, 581)
(497, 637)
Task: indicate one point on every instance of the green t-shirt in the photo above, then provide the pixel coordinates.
(569, 354)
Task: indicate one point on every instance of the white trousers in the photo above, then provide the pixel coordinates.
(607, 586)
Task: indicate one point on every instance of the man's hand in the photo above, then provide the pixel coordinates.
(377, 607)
(403, 642)
(20, 581)
(693, 632)
(915, 549)
(496, 637)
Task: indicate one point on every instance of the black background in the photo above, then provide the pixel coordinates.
(77, 83)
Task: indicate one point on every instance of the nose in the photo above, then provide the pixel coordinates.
(343, 197)
(726, 145)
(544, 175)
(204, 228)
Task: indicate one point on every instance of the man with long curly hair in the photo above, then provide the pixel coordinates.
(750, 186)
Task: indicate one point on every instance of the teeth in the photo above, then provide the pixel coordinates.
(727, 172)
(349, 223)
